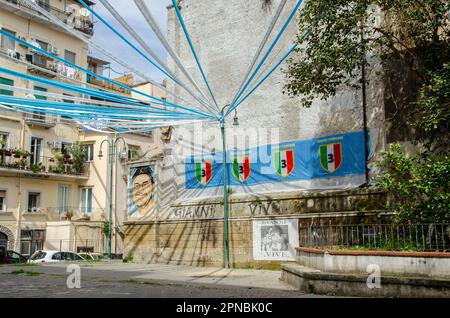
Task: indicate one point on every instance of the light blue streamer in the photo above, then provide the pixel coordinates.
(99, 76)
(261, 63)
(77, 89)
(188, 38)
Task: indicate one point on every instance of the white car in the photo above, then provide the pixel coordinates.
(54, 257)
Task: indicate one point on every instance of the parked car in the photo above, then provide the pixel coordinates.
(91, 256)
(15, 258)
(54, 257)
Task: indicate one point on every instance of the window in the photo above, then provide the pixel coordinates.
(32, 241)
(70, 56)
(5, 138)
(6, 81)
(68, 100)
(36, 151)
(2, 200)
(40, 89)
(34, 201)
(63, 198)
(8, 43)
(133, 153)
(65, 147)
(86, 200)
(43, 45)
(39, 116)
(88, 152)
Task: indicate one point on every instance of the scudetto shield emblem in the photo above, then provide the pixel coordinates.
(203, 172)
(241, 168)
(330, 156)
(284, 162)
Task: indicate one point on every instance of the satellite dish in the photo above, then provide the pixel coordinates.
(30, 96)
(84, 12)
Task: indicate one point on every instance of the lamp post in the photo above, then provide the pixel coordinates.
(112, 143)
(226, 245)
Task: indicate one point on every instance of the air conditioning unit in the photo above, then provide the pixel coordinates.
(56, 145)
(54, 50)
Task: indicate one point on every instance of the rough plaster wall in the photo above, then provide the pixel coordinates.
(226, 35)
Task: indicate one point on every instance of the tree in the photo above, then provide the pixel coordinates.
(343, 36)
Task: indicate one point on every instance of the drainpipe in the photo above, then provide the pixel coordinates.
(19, 205)
(364, 105)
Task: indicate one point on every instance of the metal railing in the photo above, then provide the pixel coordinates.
(389, 237)
(43, 164)
(73, 213)
(84, 25)
(76, 245)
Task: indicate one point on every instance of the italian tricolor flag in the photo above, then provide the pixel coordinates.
(203, 172)
(330, 156)
(284, 162)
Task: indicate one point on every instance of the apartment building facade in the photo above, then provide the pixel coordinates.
(45, 201)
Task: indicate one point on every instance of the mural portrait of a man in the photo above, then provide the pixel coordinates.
(142, 188)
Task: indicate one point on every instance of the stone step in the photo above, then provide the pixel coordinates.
(311, 280)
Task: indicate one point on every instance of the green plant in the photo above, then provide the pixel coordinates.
(418, 186)
(78, 152)
(37, 167)
(106, 228)
(128, 258)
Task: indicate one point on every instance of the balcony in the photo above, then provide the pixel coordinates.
(25, 9)
(15, 162)
(103, 84)
(41, 119)
(74, 213)
(41, 63)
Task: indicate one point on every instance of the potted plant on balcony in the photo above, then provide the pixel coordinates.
(2, 151)
(37, 167)
(78, 153)
(67, 216)
(16, 153)
(85, 217)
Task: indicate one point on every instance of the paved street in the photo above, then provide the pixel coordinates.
(117, 279)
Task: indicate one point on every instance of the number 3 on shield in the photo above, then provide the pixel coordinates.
(330, 158)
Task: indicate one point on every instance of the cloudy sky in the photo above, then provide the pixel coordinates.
(109, 41)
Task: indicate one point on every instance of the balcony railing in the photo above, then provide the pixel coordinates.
(41, 119)
(48, 166)
(74, 213)
(84, 25)
(98, 82)
(387, 237)
(43, 62)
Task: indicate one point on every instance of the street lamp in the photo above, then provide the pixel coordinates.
(112, 143)
(226, 244)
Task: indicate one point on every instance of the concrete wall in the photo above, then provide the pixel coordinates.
(193, 233)
(226, 35)
(422, 264)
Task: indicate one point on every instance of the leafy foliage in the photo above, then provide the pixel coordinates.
(343, 36)
(78, 152)
(418, 186)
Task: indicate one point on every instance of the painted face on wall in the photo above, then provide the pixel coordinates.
(142, 192)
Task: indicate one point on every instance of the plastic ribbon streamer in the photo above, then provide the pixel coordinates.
(127, 114)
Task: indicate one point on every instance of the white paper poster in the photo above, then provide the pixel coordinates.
(275, 240)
